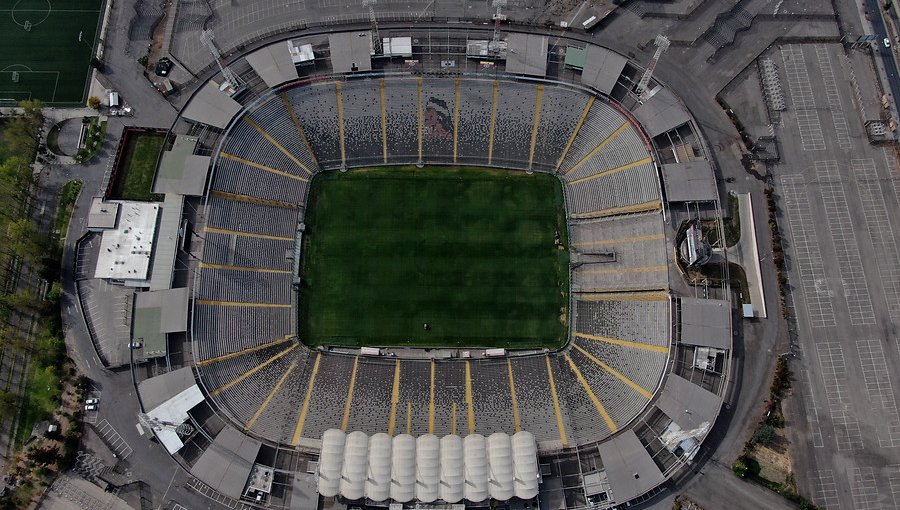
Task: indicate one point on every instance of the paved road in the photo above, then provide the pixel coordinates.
(886, 54)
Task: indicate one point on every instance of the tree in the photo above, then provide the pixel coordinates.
(94, 102)
(764, 434)
(8, 403)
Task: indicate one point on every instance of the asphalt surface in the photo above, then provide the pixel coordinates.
(886, 54)
(756, 343)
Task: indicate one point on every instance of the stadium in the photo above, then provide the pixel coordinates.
(438, 278)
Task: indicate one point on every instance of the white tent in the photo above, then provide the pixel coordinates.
(499, 449)
(452, 469)
(428, 468)
(378, 481)
(356, 459)
(525, 465)
(474, 451)
(331, 458)
(403, 468)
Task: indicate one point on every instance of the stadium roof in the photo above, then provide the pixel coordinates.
(402, 468)
(629, 468)
(690, 182)
(273, 64)
(226, 464)
(156, 390)
(526, 54)
(157, 313)
(125, 250)
(180, 171)
(351, 51)
(689, 405)
(705, 322)
(602, 68)
(167, 242)
(211, 106)
(661, 112)
(103, 215)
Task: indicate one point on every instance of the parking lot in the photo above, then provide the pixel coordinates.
(839, 200)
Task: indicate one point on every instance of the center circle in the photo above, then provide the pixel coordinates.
(30, 15)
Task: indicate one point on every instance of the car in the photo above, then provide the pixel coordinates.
(90, 407)
(163, 66)
(135, 345)
(887, 42)
(92, 401)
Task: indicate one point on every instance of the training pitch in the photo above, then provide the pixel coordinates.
(47, 61)
(471, 252)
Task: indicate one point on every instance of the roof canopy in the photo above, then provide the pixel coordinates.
(403, 468)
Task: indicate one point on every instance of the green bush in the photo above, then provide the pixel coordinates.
(764, 434)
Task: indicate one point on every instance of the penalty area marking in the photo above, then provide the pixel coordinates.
(55, 80)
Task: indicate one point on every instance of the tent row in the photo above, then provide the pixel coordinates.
(428, 468)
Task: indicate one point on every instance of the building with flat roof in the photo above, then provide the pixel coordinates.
(126, 249)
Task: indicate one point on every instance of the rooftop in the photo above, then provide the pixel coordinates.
(125, 250)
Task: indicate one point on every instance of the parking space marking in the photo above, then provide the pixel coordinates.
(843, 236)
(832, 94)
(847, 433)
(812, 413)
(863, 488)
(841, 129)
(115, 441)
(210, 493)
(813, 284)
(825, 492)
(880, 390)
(893, 476)
(878, 224)
(802, 98)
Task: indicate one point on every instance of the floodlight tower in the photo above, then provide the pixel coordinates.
(152, 423)
(207, 38)
(376, 39)
(498, 17)
(662, 44)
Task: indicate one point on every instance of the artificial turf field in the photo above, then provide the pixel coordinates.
(52, 63)
(468, 251)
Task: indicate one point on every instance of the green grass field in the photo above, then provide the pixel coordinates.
(470, 252)
(135, 180)
(51, 62)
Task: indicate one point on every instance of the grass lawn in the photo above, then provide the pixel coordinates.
(135, 179)
(470, 252)
(52, 64)
(64, 210)
(43, 388)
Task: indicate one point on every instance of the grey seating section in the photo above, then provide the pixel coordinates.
(584, 420)
(644, 368)
(220, 330)
(533, 393)
(247, 251)
(601, 121)
(474, 121)
(637, 185)
(622, 149)
(414, 391)
(452, 376)
(253, 218)
(402, 110)
(646, 322)
(243, 399)
(438, 104)
(362, 122)
(491, 396)
(279, 418)
(245, 286)
(316, 108)
(245, 141)
(560, 110)
(621, 401)
(236, 177)
(326, 405)
(515, 118)
(277, 121)
(371, 406)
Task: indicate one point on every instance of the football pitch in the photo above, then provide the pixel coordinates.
(47, 61)
(471, 252)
